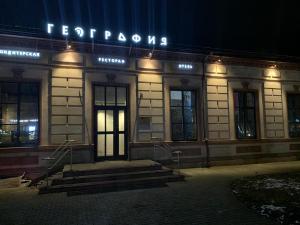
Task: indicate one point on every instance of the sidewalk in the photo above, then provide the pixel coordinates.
(204, 199)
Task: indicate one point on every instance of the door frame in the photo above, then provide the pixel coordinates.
(114, 108)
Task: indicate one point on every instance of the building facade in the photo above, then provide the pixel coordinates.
(117, 102)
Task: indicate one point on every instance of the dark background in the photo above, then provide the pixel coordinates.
(263, 27)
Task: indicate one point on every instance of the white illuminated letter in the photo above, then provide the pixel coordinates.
(107, 34)
(163, 41)
(92, 32)
(136, 38)
(79, 31)
(65, 30)
(122, 37)
(49, 28)
(151, 40)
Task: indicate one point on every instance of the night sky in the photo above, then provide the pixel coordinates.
(264, 27)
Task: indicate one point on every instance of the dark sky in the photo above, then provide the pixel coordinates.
(265, 27)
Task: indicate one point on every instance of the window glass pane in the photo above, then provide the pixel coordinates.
(176, 114)
(29, 133)
(109, 120)
(121, 120)
(183, 115)
(245, 114)
(176, 98)
(101, 121)
(9, 92)
(294, 114)
(177, 132)
(29, 118)
(8, 134)
(290, 102)
(240, 124)
(22, 111)
(189, 115)
(29, 89)
(101, 145)
(250, 99)
(121, 144)
(110, 96)
(9, 113)
(29, 111)
(190, 131)
(145, 123)
(241, 99)
(109, 144)
(121, 96)
(99, 96)
(297, 101)
(188, 98)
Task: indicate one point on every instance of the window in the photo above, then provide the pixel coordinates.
(294, 114)
(145, 123)
(19, 113)
(245, 114)
(110, 96)
(183, 115)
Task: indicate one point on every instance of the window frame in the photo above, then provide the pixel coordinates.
(182, 109)
(18, 113)
(256, 117)
(287, 107)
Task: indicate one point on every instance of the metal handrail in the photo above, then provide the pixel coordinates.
(166, 147)
(59, 154)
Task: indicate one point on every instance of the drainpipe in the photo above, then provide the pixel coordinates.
(204, 113)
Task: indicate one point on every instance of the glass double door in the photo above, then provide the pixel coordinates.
(111, 133)
(110, 110)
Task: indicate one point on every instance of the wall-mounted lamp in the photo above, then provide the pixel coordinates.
(68, 45)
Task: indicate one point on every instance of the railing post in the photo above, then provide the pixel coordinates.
(71, 157)
(47, 178)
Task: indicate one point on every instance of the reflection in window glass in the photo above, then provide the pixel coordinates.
(110, 96)
(245, 114)
(176, 98)
(121, 96)
(19, 114)
(183, 115)
(294, 114)
(99, 95)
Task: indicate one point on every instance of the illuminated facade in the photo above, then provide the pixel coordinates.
(116, 102)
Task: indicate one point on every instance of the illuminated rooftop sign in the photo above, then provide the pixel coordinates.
(20, 53)
(107, 35)
(184, 66)
(111, 60)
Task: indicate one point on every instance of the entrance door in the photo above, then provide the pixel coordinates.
(110, 122)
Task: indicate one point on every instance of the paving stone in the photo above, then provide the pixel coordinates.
(204, 199)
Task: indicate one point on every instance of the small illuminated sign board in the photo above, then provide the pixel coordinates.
(111, 60)
(107, 35)
(20, 53)
(185, 66)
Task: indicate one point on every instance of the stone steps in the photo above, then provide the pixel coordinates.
(110, 176)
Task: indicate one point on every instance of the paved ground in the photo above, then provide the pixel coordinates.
(204, 199)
